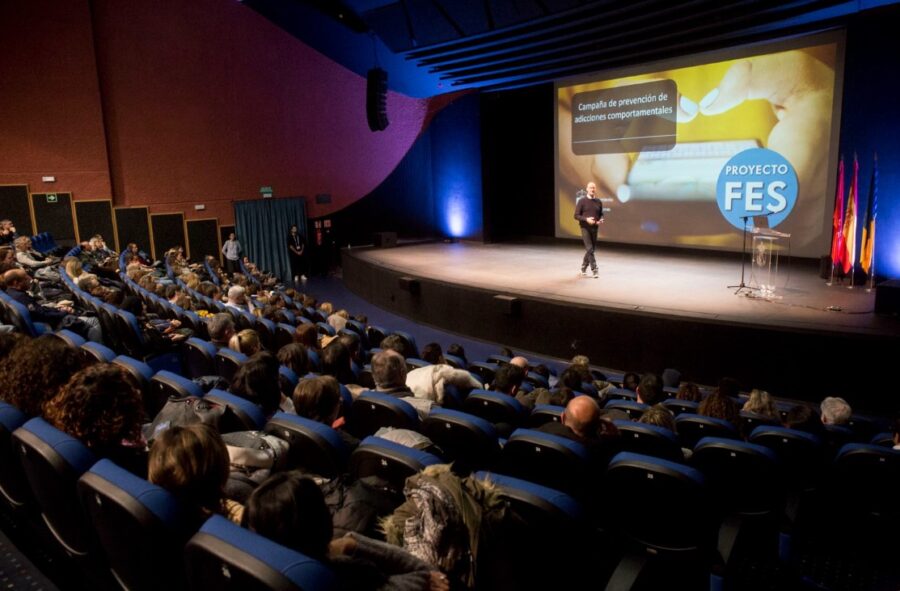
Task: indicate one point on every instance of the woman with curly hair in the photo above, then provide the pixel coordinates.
(102, 407)
(191, 462)
(35, 370)
(689, 391)
(721, 405)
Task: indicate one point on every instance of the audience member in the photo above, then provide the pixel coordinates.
(721, 406)
(761, 403)
(660, 416)
(457, 350)
(307, 335)
(803, 418)
(246, 342)
(508, 379)
(289, 508)
(336, 362)
(102, 407)
(256, 380)
(689, 391)
(191, 462)
(397, 343)
(389, 373)
(433, 354)
(221, 329)
(319, 399)
(835, 411)
(630, 381)
(650, 389)
(35, 370)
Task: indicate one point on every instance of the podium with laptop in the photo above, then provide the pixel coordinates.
(766, 247)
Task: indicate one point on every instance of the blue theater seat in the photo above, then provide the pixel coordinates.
(13, 484)
(53, 461)
(495, 407)
(223, 556)
(315, 447)
(692, 428)
(469, 441)
(250, 417)
(141, 527)
(199, 357)
(372, 410)
(557, 462)
(389, 461)
(649, 440)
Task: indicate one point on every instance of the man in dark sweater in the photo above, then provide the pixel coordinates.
(589, 213)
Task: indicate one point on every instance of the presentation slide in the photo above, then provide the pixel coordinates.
(687, 152)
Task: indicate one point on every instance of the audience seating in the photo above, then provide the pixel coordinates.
(468, 441)
(692, 428)
(621, 394)
(372, 410)
(633, 409)
(140, 371)
(53, 461)
(649, 440)
(390, 462)
(315, 447)
(164, 385)
(545, 413)
(139, 525)
(93, 352)
(681, 406)
(224, 556)
(70, 338)
(13, 484)
(199, 357)
(494, 407)
(683, 543)
(484, 371)
(227, 362)
(249, 415)
(547, 459)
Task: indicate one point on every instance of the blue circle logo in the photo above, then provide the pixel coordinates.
(757, 182)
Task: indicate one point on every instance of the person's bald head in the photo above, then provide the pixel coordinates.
(16, 278)
(582, 416)
(520, 361)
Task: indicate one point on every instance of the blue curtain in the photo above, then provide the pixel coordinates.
(262, 227)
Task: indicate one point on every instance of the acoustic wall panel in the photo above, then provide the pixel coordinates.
(133, 225)
(168, 232)
(96, 217)
(53, 213)
(14, 206)
(203, 238)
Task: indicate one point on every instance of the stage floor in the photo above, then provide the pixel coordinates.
(672, 284)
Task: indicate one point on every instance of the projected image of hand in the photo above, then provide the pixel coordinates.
(799, 88)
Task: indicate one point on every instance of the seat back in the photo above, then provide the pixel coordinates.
(550, 460)
(744, 477)
(389, 461)
(646, 481)
(681, 406)
(469, 441)
(315, 447)
(494, 407)
(632, 408)
(692, 428)
(484, 371)
(138, 370)
(227, 362)
(649, 440)
(545, 413)
(140, 526)
(53, 461)
(164, 385)
(863, 479)
(250, 416)
(199, 357)
(224, 556)
(95, 352)
(13, 484)
(372, 410)
(284, 335)
(800, 453)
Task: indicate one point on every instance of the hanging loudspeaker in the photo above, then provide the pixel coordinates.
(376, 99)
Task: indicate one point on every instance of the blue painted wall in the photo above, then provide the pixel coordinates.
(456, 169)
(871, 123)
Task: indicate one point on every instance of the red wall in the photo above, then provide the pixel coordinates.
(51, 121)
(199, 102)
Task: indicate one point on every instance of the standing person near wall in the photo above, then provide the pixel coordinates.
(297, 250)
(232, 251)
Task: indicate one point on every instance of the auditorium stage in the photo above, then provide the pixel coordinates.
(648, 310)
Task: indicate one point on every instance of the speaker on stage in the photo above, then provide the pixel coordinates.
(887, 297)
(376, 99)
(384, 239)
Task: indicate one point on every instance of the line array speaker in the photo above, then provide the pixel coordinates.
(376, 99)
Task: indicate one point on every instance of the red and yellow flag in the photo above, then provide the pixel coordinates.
(848, 255)
(837, 219)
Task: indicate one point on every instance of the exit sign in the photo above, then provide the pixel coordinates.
(51, 198)
(266, 192)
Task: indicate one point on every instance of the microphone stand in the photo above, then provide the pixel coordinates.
(742, 286)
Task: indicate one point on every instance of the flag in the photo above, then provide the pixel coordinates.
(848, 254)
(837, 219)
(867, 246)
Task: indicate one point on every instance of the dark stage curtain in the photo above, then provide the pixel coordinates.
(262, 227)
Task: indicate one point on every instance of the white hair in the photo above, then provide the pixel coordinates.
(235, 292)
(835, 411)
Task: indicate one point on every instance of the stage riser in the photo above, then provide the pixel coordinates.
(789, 363)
